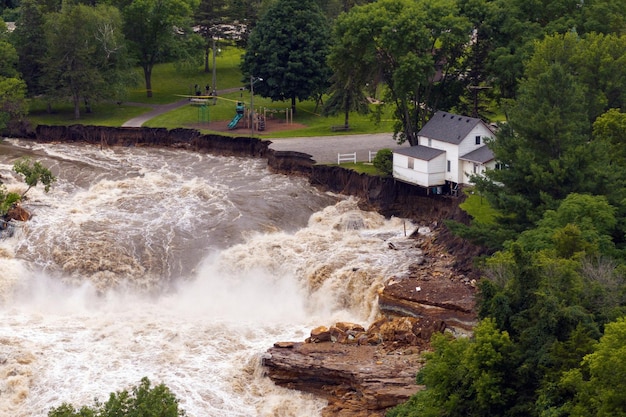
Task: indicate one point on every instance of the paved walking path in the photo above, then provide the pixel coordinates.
(323, 149)
(158, 109)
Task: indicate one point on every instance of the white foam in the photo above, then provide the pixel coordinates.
(169, 265)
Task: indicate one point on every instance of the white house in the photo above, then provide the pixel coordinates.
(451, 148)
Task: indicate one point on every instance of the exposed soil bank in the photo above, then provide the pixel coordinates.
(383, 194)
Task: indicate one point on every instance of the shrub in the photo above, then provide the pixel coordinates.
(142, 400)
(384, 161)
(7, 199)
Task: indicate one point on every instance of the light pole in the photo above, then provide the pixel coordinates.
(252, 81)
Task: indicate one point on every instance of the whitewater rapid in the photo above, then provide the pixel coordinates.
(181, 267)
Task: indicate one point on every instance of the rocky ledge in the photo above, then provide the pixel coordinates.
(360, 372)
(363, 372)
(433, 288)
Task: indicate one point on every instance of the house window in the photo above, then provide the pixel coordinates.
(475, 168)
(449, 165)
(430, 143)
(478, 140)
(411, 163)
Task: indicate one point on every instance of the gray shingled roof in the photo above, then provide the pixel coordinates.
(420, 152)
(448, 127)
(481, 155)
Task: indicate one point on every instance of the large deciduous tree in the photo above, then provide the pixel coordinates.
(85, 58)
(13, 105)
(599, 382)
(30, 43)
(288, 49)
(414, 48)
(348, 82)
(156, 28)
(8, 63)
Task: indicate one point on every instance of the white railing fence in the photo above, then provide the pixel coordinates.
(346, 157)
(372, 155)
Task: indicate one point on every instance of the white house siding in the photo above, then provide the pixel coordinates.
(469, 143)
(467, 169)
(452, 155)
(454, 151)
(447, 139)
(424, 173)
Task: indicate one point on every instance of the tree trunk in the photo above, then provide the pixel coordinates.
(206, 57)
(293, 105)
(407, 124)
(346, 124)
(76, 100)
(147, 73)
(214, 80)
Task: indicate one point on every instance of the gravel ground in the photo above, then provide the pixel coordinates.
(324, 149)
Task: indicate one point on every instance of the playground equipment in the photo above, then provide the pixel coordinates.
(238, 116)
(264, 114)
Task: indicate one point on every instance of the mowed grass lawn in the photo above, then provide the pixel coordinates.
(171, 83)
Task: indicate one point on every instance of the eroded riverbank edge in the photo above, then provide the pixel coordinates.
(357, 378)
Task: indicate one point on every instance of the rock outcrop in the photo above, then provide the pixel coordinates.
(18, 213)
(362, 373)
(434, 288)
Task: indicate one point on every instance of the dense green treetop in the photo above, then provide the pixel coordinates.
(8, 54)
(547, 143)
(142, 400)
(348, 82)
(604, 16)
(581, 224)
(599, 381)
(288, 49)
(465, 377)
(413, 47)
(86, 55)
(610, 127)
(13, 105)
(507, 29)
(33, 173)
(30, 43)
